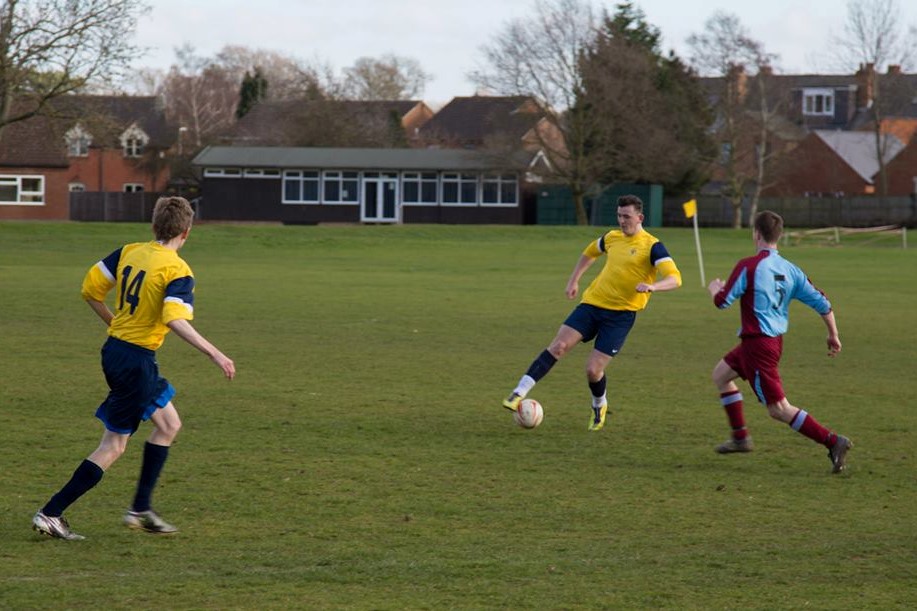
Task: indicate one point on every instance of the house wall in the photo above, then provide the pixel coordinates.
(901, 171)
(813, 168)
(415, 119)
(110, 170)
(545, 135)
(56, 204)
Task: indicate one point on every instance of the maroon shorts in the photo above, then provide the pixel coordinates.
(757, 360)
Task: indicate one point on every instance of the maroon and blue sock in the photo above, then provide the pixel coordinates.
(732, 403)
(804, 423)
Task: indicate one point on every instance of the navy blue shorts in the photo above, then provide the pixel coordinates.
(608, 327)
(135, 388)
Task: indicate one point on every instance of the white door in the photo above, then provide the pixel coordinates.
(380, 200)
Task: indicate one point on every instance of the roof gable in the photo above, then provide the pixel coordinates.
(474, 119)
(858, 149)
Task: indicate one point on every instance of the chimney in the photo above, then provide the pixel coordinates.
(894, 69)
(865, 77)
(737, 83)
(766, 70)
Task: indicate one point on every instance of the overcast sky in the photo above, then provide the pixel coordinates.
(445, 36)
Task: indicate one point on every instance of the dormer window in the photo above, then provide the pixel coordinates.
(818, 102)
(78, 141)
(133, 140)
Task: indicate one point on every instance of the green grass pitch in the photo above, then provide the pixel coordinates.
(361, 459)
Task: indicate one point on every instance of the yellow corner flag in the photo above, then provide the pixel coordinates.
(690, 208)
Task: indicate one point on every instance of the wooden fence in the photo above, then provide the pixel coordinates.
(863, 211)
(116, 206)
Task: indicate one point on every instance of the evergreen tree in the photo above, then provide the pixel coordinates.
(653, 113)
(252, 91)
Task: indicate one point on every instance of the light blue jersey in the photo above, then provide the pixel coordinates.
(764, 285)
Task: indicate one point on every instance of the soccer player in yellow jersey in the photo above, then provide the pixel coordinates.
(636, 265)
(154, 293)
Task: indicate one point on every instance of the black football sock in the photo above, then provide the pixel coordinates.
(87, 475)
(154, 457)
(541, 366)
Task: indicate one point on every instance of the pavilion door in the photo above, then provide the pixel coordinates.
(380, 199)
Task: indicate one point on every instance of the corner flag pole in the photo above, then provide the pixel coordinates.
(690, 208)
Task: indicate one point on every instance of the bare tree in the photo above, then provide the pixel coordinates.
(386, 78)
(744, 122)
(199, 95)
(49, 48)
(874, 39)
(540, 56)
(288, 78)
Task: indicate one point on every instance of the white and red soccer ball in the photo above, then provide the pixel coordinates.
(529, 415)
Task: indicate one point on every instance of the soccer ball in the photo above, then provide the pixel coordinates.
(529, 415)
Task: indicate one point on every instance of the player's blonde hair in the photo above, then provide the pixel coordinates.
(171, 216)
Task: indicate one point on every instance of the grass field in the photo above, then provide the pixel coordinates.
(361, 460)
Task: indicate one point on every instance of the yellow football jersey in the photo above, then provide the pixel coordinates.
(629, 261)
(154, 287)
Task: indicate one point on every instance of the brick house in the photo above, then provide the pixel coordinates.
(82, 143)
(902, 171)
(812, 161)
(832, 163)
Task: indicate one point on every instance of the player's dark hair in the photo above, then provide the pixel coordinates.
(769, 225)
(631, 200)
(171, 216)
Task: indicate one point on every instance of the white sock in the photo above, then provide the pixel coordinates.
(599, 401)
(524, 386)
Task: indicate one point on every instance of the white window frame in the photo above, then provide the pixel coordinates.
(460, 180)
(36, 197)
(133, 147)
(78, 141)
(261, 173)
(301, 177)
(420, 179)
(341, 177)
(222, 173)
(133, 187)
(811, 99)
(133, 141)
(500, 181)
